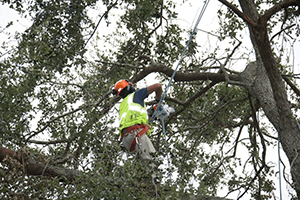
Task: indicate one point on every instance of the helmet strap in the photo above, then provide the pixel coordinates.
(126, 91)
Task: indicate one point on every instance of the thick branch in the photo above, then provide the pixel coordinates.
(245, 17)
(32, 166)
(292, 85)
(180, 76)
(277, 7)
(51, 141)
(192, 99)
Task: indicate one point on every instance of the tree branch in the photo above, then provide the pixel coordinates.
(34, 167)
(291, 84)
(34, 133)
(180, 76)
(264, 149)
(103, 16)
(49, 142)
(282, 30)
(278, 7)
(246, 18)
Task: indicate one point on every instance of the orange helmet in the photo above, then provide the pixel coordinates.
(120, 85)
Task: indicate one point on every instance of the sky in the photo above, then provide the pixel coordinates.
(187, 17)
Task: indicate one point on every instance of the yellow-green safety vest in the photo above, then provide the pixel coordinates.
(132, 113)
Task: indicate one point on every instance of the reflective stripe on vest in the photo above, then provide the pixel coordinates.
(136, 108)
(132, 113)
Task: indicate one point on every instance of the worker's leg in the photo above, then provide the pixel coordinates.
(127, 140)
(145, 147)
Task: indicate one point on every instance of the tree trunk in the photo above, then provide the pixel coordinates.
(282, 120)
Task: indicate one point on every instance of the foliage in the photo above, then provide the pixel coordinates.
(55, 100)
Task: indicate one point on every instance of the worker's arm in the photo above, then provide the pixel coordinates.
(155, 88)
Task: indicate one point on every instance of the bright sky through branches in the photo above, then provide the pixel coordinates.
(187, 17)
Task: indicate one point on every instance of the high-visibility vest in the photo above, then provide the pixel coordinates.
(132, 113)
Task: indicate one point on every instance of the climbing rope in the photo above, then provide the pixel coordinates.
(279, 171)
(181, 58)
(185, 49)
(158, 111)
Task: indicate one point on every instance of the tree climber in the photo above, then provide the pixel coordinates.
(134, 119)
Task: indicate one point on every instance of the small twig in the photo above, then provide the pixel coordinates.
(227, 157)
(263, 153)
(66, 84)
(249, 184)
(46, 165)
(34, 133)
(282, 30)
(284, 174)
(116, 63)
(104, 15)
(292, 163)
(222, 67)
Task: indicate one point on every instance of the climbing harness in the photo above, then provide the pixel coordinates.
(160, 111)
(143, 129)
(138, 131)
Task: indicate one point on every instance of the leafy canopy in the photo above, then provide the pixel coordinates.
(56, 105)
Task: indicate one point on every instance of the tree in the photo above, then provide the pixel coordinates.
(59, 134)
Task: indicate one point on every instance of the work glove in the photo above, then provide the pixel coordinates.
(163, 111)
(166, 110)
(150, 112)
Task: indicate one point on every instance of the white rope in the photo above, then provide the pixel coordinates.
(172, 77)
(279, 171)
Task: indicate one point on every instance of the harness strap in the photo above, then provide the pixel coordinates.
(145, 128)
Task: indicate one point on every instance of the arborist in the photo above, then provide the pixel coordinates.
(134, 128)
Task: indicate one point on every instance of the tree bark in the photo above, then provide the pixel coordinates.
(284, 122)
(32, 166)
